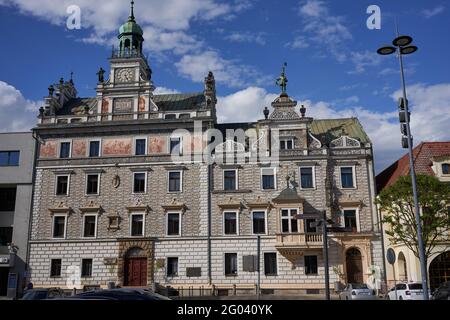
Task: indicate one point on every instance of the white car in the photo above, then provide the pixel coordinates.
(406, 291)
(357, 291)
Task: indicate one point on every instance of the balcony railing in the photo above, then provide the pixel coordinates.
(299, 240)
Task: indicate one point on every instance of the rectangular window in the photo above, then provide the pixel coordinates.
(268, 178)
(62, 185)
(259, 222)
(347, 177)
(350, 220)
(9, 158)
(288, 222)
(230, 179)
(92, 184)
(94, 148)
(174, 181)
(270, 263)
(445, 168)
(286, 144)
(137, 225)
(310, 226)
(140, 147)
(310, 264)
(59, 227)
(307, 178)
(7, 199)
(172, 267)
(175, 145)
(231, 264)
(55, 268)
(5, 235)
(230, 223)
(173, 224)
(139, 184)
(90, 226)
(64, 150)
(86, 268)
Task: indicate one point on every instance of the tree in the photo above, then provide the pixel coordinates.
(397, 203)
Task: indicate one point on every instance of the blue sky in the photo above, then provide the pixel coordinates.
(332, 65)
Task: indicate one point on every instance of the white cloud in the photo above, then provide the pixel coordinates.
(164, 90)
(247, 37)
(244, 106)
(328, 32)
(362, 60)
(16, 112)
(430, 121)
(196, 66)
(429, 13)
(299, 42)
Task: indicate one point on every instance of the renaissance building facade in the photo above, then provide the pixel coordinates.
(134, 188)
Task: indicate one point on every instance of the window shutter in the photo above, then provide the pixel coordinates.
(249, 263)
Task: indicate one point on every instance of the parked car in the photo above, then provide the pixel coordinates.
(357, 291)
(443, 292)
(406, 291)
(43, 294)
(121, 294)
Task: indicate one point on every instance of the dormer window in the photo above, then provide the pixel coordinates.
(286, 144)
(446, 168)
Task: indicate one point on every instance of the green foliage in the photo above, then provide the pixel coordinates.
(397, 204)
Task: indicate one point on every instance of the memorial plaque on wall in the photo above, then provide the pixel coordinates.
(193, 272)
(123, 105)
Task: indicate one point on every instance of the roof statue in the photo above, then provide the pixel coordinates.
(282, 80)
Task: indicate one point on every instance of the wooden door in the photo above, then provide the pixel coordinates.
(136, 272)
(354, 266)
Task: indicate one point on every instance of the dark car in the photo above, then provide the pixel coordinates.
(443, 292)
(43, 294)
(121, 294)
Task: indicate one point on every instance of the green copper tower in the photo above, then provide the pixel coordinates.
(130, 37)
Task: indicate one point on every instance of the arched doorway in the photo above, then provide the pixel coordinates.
(439, 270)
(135, 268)
(402, 267)
(354, 266)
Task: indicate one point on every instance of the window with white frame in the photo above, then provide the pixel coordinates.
(268, 179)
(93, 184)
(140, 146)
(307, 177)
(230, 223)
(55, 267)
(289, 223)
(65, 149)
(270, 263)
(59, 226)
(62, 185)
(173, 224)
(259, 222)
(137, 222)
(172, 266)
(139, 182)
(94, 148)
(348, 177)
(86, 268)
(230, 179)
(231, 267)
(175, 181)
(286, 143)
(350, 219)
(90, 225)
(175, 146)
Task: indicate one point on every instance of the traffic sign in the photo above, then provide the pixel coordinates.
(390, 256)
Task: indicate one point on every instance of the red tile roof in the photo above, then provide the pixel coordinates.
(423, 154)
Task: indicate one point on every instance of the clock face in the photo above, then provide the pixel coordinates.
(125, 75)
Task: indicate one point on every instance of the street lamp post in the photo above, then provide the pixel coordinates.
(403, 46)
